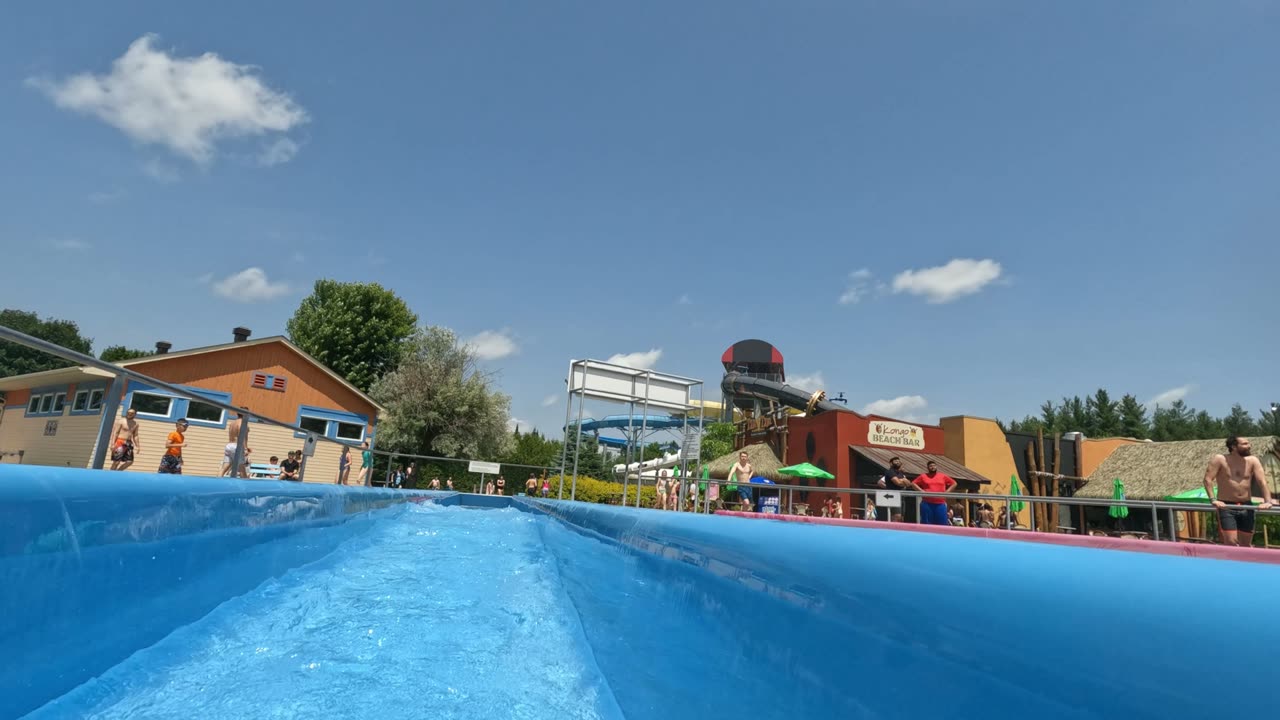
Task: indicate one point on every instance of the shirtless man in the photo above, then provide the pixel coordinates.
(124, 440)
(229, 450)
(1235, 473)
(531, 485)
(740, 473)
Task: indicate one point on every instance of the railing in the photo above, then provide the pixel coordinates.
(115, 391)
(788, 491)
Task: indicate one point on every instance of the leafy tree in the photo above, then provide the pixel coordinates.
(1269, 422)
(1104, 414)
(531, 448)
(438, 403)
(1133, 418)
(118, 353)
(20, 359)
(717, 440)
(1207, 427)
(1239, 422)
(360, 330)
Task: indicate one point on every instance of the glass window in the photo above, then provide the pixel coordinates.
(81, 402)
(59, 402)
(148, 404)
(204, 412)
(46, 403)
(95, 399)
(350, 431)
(315, 425)
(34, 405)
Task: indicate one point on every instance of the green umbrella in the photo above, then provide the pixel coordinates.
(706, 475)
(1014, 489)
(1197, 496)
(806, 470)
(1117, 493)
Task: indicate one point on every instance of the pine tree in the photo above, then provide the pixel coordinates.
(1133, 418)
(1104, 413)
(1048, 416)
(1239, 422)
(1269, 422)
(1207, 427)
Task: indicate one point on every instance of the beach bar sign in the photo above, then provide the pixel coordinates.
(895, 434)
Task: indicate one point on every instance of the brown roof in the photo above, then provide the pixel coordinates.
(1156, 470)
(913, 463)
(764, 463)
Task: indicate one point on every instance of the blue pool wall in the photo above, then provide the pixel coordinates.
(96, 565)
(902, 625)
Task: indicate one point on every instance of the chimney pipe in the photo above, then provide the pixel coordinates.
(162, 347)
(241, 334)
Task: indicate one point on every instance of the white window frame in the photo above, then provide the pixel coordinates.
(59, 404)
(95, 406)
(338, 427)
(326, 422)
(76, 405)
(33, 405)
(46, 410)
(168, 412)
(222, 414)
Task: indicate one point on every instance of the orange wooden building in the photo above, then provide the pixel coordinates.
(52, 417)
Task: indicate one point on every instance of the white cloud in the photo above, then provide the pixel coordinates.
(1169, 396)
(903, 407)
(161, 172)
(811, 382)
(279, 152)
(513, 423)
(186, 104)
(104, 197)
(249, 285)
(859, 287)
(492, 345)
(638, 360)
(952, 281)
(69, 244)
(550, 400)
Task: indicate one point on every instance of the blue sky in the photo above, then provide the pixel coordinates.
(936, 208)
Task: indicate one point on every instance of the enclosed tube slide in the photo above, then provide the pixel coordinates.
(812, 403)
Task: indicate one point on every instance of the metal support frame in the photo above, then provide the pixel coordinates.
(237, 459)
(110, 410)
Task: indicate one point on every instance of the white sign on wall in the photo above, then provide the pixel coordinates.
(888, 499)
(483, 468)
(895, 434)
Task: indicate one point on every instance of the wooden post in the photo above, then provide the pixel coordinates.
(1042, 515)
(1028, 485)
(1053, 481)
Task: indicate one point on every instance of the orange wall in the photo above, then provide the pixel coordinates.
(18, 397)
(980, 445)
(1094, 452)
(231, 371)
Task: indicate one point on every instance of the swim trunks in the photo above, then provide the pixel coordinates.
(229, 452)
(170, 464)
(123, 451)
(1236, 517)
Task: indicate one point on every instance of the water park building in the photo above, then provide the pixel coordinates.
(52, 417)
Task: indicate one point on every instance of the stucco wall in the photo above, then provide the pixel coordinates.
(980, 445)
(1094, 452)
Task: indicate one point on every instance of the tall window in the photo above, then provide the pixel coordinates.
(148, 404)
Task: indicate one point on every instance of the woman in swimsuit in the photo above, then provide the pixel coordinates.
(344, 465)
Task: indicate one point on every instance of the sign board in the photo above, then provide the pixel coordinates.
(888, 499)
(484, 468)
(309, 446)
(895, 434)
(50, 428)
(692, 447)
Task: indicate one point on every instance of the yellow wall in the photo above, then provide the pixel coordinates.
(1094, 452)
(979, 444)
(70, 447)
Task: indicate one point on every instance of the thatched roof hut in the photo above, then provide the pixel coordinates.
(764, 463)
(1154, 471)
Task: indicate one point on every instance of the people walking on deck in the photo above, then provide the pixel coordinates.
(124, 440)
(171, 461)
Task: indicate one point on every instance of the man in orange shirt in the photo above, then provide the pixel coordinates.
(933, 511)
(171, 461)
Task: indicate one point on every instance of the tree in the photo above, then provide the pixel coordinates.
(717, 440)
(1133, 418)
(1048, 417)
(438, 403)
(1207, 427)
(1104, 414)
(1073, 416)
(1269, 421)
(1238, 422)
(359, 330)
(1176, 422)
(118, 353)
(531, 448)
(19, 359)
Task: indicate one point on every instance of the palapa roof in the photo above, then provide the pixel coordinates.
(1156, 470)
(764, 463)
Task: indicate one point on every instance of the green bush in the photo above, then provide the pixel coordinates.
(600, 491)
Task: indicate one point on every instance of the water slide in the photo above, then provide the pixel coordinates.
(649, 468)
(812, 403)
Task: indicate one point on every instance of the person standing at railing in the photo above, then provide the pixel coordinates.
(229, 450)
(933, 511)
(1235, 474)
(171, 461)
(124, 440)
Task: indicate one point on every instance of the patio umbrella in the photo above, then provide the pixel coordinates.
(706, 475)
(1197, 495)
(805, 470)
(1117, 493)
(1017, 505)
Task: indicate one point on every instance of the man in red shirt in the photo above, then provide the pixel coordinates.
(933, 510)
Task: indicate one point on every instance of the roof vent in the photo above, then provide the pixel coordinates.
(241, 333)
(162, 347)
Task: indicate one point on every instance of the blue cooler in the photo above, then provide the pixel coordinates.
(767, 505)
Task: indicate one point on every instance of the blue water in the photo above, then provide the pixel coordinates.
(433, 613)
